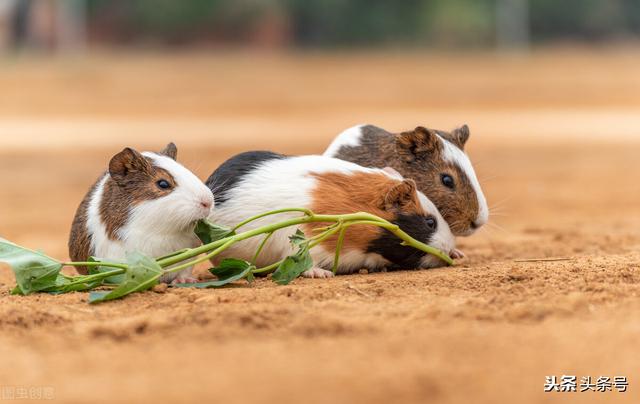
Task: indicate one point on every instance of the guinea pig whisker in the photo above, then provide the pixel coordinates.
(490, 178)
(498, 227)
(497, 209)
(220, 186)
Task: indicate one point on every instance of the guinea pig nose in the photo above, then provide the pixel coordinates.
(474, 225)
(205, 204)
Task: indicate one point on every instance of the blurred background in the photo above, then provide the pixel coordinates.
(75, 24)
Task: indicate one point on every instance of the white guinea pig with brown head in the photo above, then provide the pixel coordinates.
(256, 182)
(146, 202)
(435, 159)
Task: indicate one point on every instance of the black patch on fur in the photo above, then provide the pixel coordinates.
(231, 172)
(389, 246)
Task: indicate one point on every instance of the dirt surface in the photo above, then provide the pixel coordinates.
(555, 138)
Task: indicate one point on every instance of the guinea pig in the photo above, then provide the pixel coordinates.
(145, 202)
(433, 158)
(252, 183)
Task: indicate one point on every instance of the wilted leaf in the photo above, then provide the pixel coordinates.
(143, 274)
(208, 232)
(34, 271)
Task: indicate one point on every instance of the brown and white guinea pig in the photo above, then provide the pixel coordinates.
(146, 202)
(433, 158)
(256, 182)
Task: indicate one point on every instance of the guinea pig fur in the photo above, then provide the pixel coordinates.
(146, 202)
(256, 182)
(435, 159)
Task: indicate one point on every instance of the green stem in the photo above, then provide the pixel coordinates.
(201, 259)
(97, 277)
(269, 268)
(261, 247)
(348, 220)
(312, 242)
(95, 264)
(307, 212)
(194, 252)
(173, 254)
(336, 260)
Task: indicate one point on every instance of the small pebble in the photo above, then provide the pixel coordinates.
(161, 288)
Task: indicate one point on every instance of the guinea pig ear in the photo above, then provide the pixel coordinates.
(127, 163)
(401, 196)
(460, 136)
(170, 150)
(417, 143)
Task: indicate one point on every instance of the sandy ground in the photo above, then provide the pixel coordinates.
(555, 138)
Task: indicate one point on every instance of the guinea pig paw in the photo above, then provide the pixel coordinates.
(184, 280)
(456, 254)
(316, 272)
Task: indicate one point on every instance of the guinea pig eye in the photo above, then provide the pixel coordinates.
(431, 222)
(447, 181)
(163, 184)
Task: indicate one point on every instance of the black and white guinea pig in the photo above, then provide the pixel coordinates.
(256, 182)
(146, 202)
(435, 159)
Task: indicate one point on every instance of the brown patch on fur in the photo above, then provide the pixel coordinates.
(416, 144)
(414, 155)
(79, 239)
(119, 198)
(376, 193)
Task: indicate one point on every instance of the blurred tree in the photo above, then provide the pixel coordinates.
(324, 23)
(576, 19)
(355, 22)
(459, 22)
(631, 13)
(512, 23)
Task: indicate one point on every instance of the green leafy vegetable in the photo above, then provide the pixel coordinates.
(112, 280)
(34, 271)
(143, 274)
(294, 265)
(297, 238)
(230, 270)
(208, 232)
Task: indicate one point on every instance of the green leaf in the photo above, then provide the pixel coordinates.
(112, 280)
(297, 238)
(208, 232)
(230, 270)
(143, 274)
(98, 296)
(73, 284)
(34, 271)
(292, 267)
